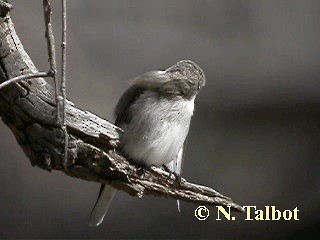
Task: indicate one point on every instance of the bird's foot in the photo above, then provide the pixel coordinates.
(178, 178)
(176, 175)
(167, 170)
(142, 168)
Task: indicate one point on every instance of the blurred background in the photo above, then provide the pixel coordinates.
(254, 136)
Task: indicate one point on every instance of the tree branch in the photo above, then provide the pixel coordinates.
(25, 77)
(51, 50)
(28, 108)
(63, 78)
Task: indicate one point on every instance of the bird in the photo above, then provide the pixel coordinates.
(155, 114)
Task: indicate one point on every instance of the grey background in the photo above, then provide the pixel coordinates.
(255, 133)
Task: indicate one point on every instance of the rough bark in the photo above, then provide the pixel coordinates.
(28, 108)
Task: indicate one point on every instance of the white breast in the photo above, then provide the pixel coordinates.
(157, 130)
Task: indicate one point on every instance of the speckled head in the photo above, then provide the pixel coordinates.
(186, 79)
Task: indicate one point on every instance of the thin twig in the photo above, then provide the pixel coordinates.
(51, 50)
(25, 77)
(63, 78)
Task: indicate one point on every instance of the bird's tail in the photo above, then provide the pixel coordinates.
(102, 205)
(178, 205)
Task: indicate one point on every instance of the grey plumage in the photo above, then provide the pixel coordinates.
(155, 114)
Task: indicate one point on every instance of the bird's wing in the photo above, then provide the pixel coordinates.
(122, 110)
(145, 81)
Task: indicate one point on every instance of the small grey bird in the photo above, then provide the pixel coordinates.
(155, 114)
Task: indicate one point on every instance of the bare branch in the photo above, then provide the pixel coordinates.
(25, 77)
(51, 50)
(63, 78)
